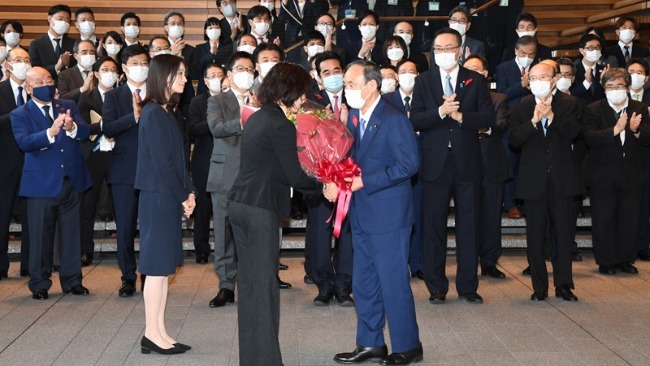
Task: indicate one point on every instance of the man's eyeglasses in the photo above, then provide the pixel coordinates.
(446, 49)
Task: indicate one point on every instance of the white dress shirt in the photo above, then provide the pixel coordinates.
(622, 109)
(14, 88)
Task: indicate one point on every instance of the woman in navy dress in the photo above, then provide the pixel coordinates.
(166, 195)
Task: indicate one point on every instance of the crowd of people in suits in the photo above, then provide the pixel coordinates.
(79, 116)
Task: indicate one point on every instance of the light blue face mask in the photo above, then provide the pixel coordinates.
(333, 83)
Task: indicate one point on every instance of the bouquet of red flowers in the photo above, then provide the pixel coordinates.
(323, 144)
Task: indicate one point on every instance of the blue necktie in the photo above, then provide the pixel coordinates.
(20, 101)
(449, 90)
(57, 49)
(363, 128)
(544, 122)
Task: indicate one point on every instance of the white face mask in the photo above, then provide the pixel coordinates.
(19, 70)
(638, 81)
(87, 61)
(261, 28)
(616, 97)
(132, 31)
(325, 29)
(12, 39)
(460, 28)
(524, 61)
(265, 67)
(388, 85)
(406, 81)
(446, 60)
(60, 27)
(563, 84)
(137, 73)
(267, 4)
(176, 31)
(214, 85)
(368, 31)
(540, 88)
(229, 10)
(108, 79)
(593, 56)
(354, 98)
(395, 54)
(527, 33)
(243, 80)
(162, 52)
(406, 37)
(314, 50)
(249, 48)
(626, 35)
(113, 48)
(87, 27)
(213, 33)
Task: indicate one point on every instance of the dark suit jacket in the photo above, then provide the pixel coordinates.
(119, 124)
(551, 154)
(496, 167)
(227, 31)
(352, 52)
(69, 84)
(10, 154)
(41, 53)
(269, 163)
(321, 97)
(478, 112)
(197, 127)
(388, 158)
(508, 79)
(161, 154)
(637, 51)
(188, 93)
(543, 53)
(297, 23)
(224, 123)
(47, 163)
(595, 91)
(420, 61)
(91, 102)
(607, 157)
(203, 57)
(395, 99)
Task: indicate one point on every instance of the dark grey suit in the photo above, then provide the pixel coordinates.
(224, 120)
(69, 84)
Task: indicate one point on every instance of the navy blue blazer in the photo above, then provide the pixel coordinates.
(395, 99)
(508, 77)
(161, 163)
(47, 163)
(119, 124)
(595, 91)
(478, 112)
(388, 157)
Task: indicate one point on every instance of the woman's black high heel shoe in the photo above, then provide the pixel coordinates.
(182, 346)
(146, 346)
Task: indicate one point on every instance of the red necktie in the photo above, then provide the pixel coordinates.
(337, 112)
(523, 71)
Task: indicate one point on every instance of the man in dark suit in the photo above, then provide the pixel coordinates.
(527, 26)
(130, 26)
(405, 30)
(330, 268)
(451, 164)
(616, 129)
(120, 122)
(544, 126)
(368, 47)
(233, 23)
(496, 170)
(326, 24)
(175, 28)
(198, 129)
(77, 80)
(52, 51)
(12, 95)
(587, 78)
(460, 19)
(625, 49)
(385, 149)
(84, 21)
(54, 175)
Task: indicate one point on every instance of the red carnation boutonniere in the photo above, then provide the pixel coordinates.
(355, 121)
(466, 83)
(318, 96)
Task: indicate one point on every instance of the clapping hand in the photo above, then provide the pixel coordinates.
(449, 106)
(137, 109)
(620, 124)
(56, 125)
(635, 121)
(68, 122)
(543, 109)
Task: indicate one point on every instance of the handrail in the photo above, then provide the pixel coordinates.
(401, 18)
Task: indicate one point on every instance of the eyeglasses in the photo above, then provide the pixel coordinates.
(567, 75)
(17, 60)
(593, 48)
(322, 23)
(459, 21)
(540, 77)
(616, 87)
(242, 69)
(40, 83)
(446, 49)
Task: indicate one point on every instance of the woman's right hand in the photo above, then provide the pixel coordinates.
(189, 205)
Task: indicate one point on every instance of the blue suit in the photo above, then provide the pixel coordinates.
(509, 82)
(54, 176)
(388, 158)
(120, 124)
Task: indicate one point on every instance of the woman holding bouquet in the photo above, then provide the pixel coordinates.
(258, 200)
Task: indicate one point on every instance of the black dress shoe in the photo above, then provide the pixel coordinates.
(86, 259)
(40, 294)
(283, 285)
(362, 354)
(78, 289)
(418, 274)
(127, 289)
(201, 258)
(644, 255)
(526, 272)
(24, 273)
(182, 346)
(628, 268)
(223, 296)
(323, 298)
(147, 346)
(608, 270)
(343, 297)
(309, 279)
(296, 214)
(438, 297)
(472, 297)
(565, 293)
(539, 295)
(282, 267)
(492, 271)
(404, 358)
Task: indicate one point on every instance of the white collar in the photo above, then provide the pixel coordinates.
(627, 101)
(15, 85)
(366, 116)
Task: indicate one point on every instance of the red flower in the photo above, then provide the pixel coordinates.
(318, 96)
(355, 121)
(467, 82)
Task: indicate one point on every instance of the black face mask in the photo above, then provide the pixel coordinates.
(45, 93)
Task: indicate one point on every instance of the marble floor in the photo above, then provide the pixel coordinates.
(610, 325)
